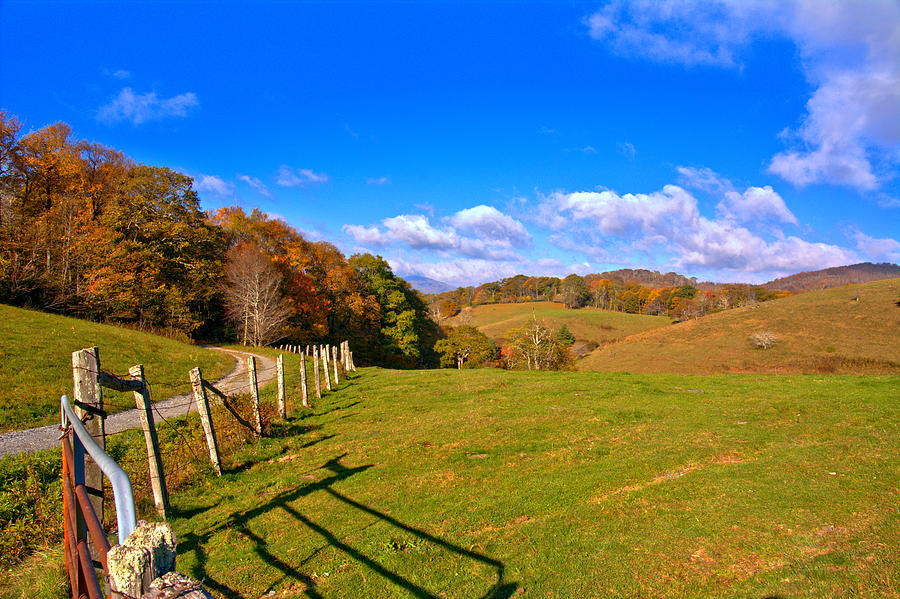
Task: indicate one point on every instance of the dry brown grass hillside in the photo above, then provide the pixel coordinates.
(854, 329)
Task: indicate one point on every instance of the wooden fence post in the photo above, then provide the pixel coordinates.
(334, 360)
(315, 352)
(205, 419)
(87, 390)
(279, 366)
(304, 397)
(157, 474)
(254, 392)
(323, 351)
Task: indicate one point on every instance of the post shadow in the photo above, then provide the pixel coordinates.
(500, 589)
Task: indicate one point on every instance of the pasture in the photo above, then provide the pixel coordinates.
(852, 329)
(486, 483)
(36, 356)
(596, 327)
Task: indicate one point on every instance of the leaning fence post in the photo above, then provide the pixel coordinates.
(157, 474)
(279, 367)
(315, 352)
(203, 408)
(303, 393)
(254, 392)
(87, 391)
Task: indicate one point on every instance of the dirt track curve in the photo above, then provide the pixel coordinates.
(45, 437)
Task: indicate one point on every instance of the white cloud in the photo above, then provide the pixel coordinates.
(141, 108)
(256, 184)
(290, 177)
(627, 150)
(755, 204)
(704, 179)
(487, 222)
(696, 34)
(849, 50)
(877, 248)
(460, 271)
(378, 181)
(416, 231)
(669, 222)
(121, 74)
(620, 215)
(213, 184)
(723, 245)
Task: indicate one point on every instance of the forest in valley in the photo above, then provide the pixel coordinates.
(88, 232)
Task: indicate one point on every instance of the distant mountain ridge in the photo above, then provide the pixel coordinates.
(426, 285)
(864, 272)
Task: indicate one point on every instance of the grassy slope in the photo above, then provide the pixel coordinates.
(589, 324)
(463, 483)
(821, 331)
(563, 484)
(36, 357)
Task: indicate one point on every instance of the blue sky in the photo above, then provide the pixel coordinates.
(732, 141)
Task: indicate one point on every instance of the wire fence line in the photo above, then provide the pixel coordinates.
(232, 415)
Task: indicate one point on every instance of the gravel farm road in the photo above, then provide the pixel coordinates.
(45, 437)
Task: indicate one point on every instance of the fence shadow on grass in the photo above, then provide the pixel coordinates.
(239, 521)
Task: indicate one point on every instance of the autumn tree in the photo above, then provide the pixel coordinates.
(152, 257)
(466, 347)
(253, 295)
(574, 291)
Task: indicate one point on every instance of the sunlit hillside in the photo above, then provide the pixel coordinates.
(36, 353)
(849, 329)
(589, 325)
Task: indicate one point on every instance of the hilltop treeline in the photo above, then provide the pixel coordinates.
(863, 272)
(627, 290)
(86, 231)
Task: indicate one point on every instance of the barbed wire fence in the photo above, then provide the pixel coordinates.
(179, 430)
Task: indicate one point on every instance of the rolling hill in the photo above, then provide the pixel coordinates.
(36, 354)
(864, 272)
(851, 329)
(591, 327)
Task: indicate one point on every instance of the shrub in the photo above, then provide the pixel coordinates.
(763, 339)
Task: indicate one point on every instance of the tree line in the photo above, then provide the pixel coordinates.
(667, 294)
(86, 231)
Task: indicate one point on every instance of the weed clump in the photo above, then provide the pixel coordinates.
(763, 339)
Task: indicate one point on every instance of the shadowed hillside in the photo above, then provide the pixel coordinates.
(849, 329)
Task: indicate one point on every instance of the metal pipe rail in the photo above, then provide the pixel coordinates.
(79, 517)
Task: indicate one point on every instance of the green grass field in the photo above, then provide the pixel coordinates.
(488, 483)
(599, 327)
(36, 356)
(849, 329)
